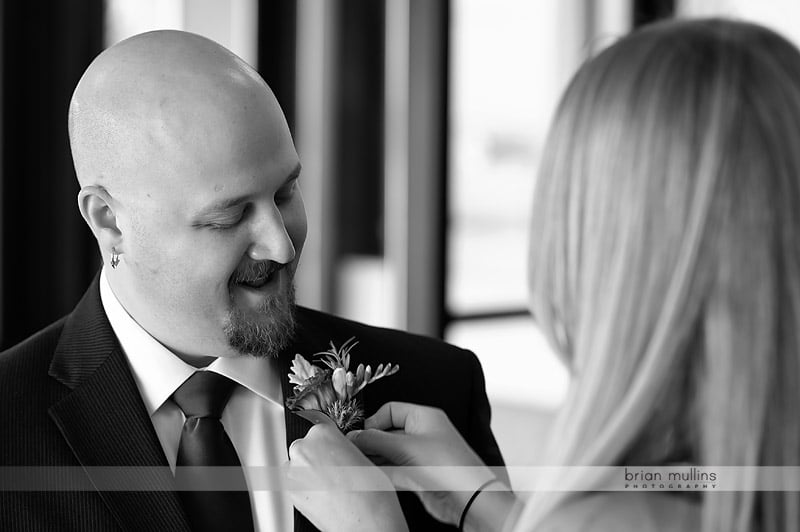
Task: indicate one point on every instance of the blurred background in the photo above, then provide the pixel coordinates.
(419, 123)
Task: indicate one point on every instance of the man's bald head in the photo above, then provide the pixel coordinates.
(188, 173)
(145, 95)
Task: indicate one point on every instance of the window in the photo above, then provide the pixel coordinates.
(509, 62)
(231, 23)
(780, 15)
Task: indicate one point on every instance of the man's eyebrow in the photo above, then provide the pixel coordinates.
(221, 206)
(226, 204)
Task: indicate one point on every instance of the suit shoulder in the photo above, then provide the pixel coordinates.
(338, 330)
(30, 356)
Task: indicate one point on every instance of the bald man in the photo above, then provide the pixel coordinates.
(190, 184)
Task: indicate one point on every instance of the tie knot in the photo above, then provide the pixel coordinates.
(204, 394)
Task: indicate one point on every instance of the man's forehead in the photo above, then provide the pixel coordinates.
(230, 193)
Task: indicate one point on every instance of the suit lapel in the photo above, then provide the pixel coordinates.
(296, 427)
(106, 425)
(308, 341)
(305, 342)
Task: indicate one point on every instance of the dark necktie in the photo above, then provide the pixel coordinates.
(207, 459)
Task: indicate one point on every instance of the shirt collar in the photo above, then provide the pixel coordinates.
(260, 375)
(158, 372)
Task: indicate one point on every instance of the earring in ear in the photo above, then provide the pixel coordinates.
(114, 258)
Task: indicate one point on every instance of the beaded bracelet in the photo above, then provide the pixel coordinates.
(471, 500)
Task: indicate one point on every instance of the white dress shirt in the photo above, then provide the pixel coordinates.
(253, 417)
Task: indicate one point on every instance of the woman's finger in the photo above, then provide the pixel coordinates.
(391, 415)
(408, 417)
(372, 442)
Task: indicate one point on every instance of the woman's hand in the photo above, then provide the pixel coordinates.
(329, 480)
(411, 435)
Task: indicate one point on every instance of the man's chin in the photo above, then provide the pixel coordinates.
(264, 331)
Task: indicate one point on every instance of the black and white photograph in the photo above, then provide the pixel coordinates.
(400, 265)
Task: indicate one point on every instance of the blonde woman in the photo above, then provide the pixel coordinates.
(665, 269)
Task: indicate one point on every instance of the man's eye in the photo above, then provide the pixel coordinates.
(226, 223)
(215, 226)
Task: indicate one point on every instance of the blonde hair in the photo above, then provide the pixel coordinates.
(665, 259)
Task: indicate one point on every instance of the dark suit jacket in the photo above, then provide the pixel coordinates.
(68, 399)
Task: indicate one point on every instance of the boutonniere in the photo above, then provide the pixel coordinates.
(327, 393)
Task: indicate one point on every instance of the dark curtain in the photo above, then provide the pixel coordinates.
(358, 141)
(49, 255)
(358, 99)
(647, 11)
(277, 31)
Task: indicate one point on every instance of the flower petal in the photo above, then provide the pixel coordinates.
(302, 369)
(294, 379)
(308, 402)
(339, 381)
(384, 371)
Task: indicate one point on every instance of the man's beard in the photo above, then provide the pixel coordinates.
(266, 331)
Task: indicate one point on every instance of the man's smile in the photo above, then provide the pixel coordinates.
(257, 275)
(251, 285)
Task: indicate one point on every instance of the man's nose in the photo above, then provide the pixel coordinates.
(270, 239)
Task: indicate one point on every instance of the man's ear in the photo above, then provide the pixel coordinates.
(98, 209)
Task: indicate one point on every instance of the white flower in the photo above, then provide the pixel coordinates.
(339, 381)
(302, 371)
(333, 391)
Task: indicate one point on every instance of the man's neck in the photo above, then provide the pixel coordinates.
(196, 361)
